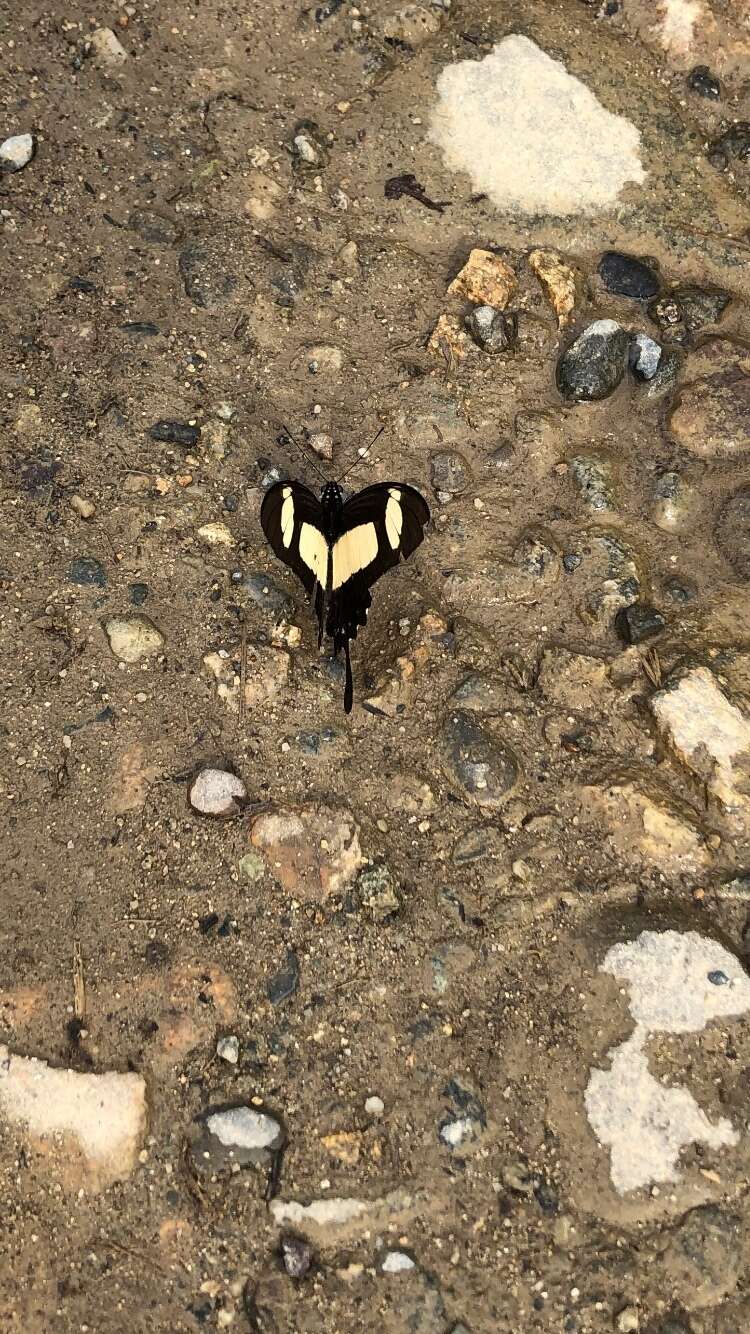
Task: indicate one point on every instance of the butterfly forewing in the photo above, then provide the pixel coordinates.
(292, 519)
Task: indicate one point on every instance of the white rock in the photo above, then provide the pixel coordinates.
(16, 152)
(244, 1128)
(228, 1049)
(321, 1213)
(217, 792)
(106, 50)
(103, 1115)
(459, 1132)
(397, 1262)
(530, 135)
(374, 1106)
(216, 535)
(132, 637)
(710, 736)
(647, 356)
(678, 982)
(339, 1216)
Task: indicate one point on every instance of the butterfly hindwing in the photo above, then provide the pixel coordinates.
(292, 519)
(382, 525)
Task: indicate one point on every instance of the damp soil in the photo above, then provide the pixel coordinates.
(173, 256)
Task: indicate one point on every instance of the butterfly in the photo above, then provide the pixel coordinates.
(338, 549)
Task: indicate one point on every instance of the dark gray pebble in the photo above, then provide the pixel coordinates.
(475, 761)
(701, 81)
(296, 1255)
(493, 330)
(138, 594)
(449, 472)
(85, 570)
(140, 329)
(637, 622)
(627, 276)
(733, 145)
(685, 311)
(284, 983)
(593, 366)
(176, 433)
(154, 227)
(266, 593)
(204, 279)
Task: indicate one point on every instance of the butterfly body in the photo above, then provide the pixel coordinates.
(338, 548)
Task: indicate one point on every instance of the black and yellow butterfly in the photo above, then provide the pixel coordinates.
(338, 548)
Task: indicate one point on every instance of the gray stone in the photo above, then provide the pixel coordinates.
(16, 152)
(478, 765)
(492, 330)
(645, 355)
(627, 276)
(206, 281)
(593, 366)
(397, 1262)
(228, 1049)
(593, 477)
(284, 983)
(217, 792)
(234, 1137)
(85, 570)
(296, 1255)
(378, 892)
(449, 472)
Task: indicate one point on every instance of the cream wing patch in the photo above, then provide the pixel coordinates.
(313, 550)
(394, 518)
(287, 516)
(353, 552)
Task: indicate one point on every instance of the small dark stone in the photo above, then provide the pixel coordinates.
(205, 282)
(140, 329)
(475, 761)
(231, 503)
(638, 622)
(593, 366)
(627, 276)
(701, 81)
(176, 433)
(83, 285)
(571, 561)
(465, 1100)
(226, 928)
(503, 457)
(284, 983)
(493, 330)
(686, 310)
(105, 715)
(296, 1255)
(449, 472)
(545, 1196)
(206, 924)
(733, 144)
(717, 978)
(156, 953)
(266, 593)
(138, 594)
(678, 590)
(308, 742)
(85, 570)
(153, 227)
(38, 472)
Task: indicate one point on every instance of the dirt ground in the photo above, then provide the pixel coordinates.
(171, 253)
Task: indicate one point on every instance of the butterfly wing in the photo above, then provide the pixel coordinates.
(292, 519)
(382, 525)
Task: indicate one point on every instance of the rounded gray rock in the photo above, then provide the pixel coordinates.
(475, 762)
(593, 366)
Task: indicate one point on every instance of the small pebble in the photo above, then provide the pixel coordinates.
(593, 366)
(492, 330)
(217, 792)
(16, 152)
(701, 81)
(637, 622)
(228, 1049)
(717, 978)
(216, 535)
(296, 1255)
(374, 1106)
(106, 49)
(627, 276)
(85, 509)
(645, 355)
(176, 433)
(397, 1262)
(132, 638)
(284, 983)
(628, 1322)
(85, 570)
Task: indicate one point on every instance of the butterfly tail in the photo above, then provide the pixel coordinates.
(349, 687)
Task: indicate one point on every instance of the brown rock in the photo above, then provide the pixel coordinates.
(312, 851)
(345, 1146)
(558, 283)
(485, 279)
(711, 417)
(450, 340)
(132, 780)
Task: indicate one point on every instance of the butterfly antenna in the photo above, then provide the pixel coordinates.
(304, 453)
(360, 457)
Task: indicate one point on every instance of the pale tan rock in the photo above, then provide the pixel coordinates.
(345, 1146)
(107, 51)
(90, 1126)
(413, 25)
(450, 340)
(485, 279)
(85, 509)
(132, 638)
(216, 535)
(267, 675)
(646, 830)
(312, 851)
(324, 359)
(575, 680)
(558, 283)
(132, 780)
(710, 736)
(264, 198)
